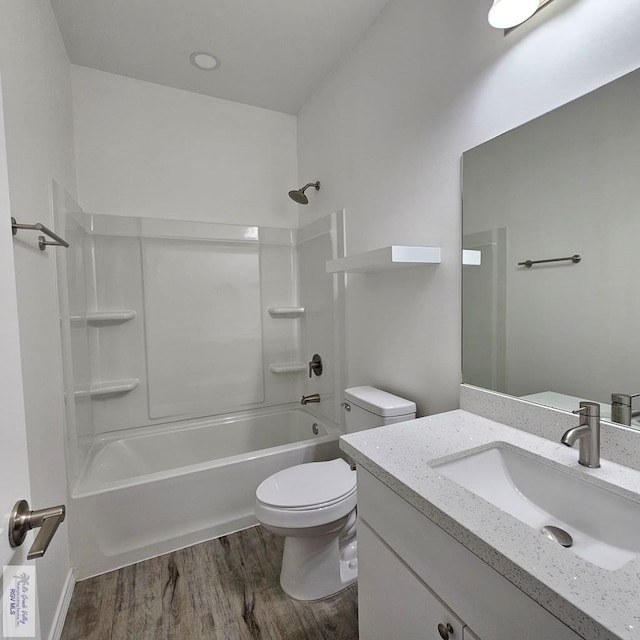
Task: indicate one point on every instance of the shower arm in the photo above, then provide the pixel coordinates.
(311, 184)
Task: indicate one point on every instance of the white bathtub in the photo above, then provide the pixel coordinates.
(170, 486)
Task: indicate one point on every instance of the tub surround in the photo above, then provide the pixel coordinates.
(180, 396)
(594, 602)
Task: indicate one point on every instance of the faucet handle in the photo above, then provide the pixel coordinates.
(588, 409)
(315, 366)
(623, 398)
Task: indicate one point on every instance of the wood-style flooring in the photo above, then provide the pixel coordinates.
(224, 589)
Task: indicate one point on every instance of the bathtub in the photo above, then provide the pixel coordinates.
(167, 487)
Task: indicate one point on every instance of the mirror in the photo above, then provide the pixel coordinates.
(565, 184)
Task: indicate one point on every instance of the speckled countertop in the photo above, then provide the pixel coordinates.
(594, 602)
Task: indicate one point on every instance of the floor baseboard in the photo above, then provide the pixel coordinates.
(63, 606)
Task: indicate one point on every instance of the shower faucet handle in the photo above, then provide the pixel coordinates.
(315, 366)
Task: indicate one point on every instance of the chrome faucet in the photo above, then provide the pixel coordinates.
(588, 432)
(314, 397)
(621, 407)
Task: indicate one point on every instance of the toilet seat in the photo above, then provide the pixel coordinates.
(314, 517)
(307, 495)
(308, 486)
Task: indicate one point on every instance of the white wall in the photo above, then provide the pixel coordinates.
(144, 149)
(385, 133)
(36, 89)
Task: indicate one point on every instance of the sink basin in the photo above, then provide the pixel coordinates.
(605, 526)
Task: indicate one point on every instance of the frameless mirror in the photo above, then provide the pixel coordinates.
(558, 329)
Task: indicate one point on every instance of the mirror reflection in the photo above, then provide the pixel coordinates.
(566, 184)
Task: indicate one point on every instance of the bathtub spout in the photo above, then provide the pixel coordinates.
(314, 397)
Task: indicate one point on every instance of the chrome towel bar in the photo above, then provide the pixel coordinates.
(528, 263)
(42, 241)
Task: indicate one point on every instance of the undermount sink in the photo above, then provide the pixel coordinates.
(604, 526)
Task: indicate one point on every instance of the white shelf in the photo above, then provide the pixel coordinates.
(111, 316)
(285, 312)
(287, 367)
(471, 257)
(106, 317)
(109, 388)
(390, 257)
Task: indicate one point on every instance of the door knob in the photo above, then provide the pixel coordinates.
(445, 630)
(22, 520)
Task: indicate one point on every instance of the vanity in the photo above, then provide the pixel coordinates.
(438, 559)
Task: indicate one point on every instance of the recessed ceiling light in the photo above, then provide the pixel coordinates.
(204, 61)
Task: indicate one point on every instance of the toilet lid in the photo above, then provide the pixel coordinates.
(308, 485)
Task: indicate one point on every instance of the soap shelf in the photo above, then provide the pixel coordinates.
(390, 257)
(105, 317)
(287, 367)
(285, 312)
(109, 388)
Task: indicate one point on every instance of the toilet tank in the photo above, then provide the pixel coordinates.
(368, 407)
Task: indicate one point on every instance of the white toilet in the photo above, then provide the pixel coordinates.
(314, 505)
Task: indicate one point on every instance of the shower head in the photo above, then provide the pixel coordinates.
(298, 196)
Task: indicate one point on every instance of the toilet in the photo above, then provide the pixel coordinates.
(313, 505)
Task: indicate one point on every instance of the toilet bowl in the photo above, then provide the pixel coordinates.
(313, 505)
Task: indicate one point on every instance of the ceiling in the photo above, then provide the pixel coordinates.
(273, 53)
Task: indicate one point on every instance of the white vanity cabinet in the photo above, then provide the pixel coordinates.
(392, 601)
(413, 576)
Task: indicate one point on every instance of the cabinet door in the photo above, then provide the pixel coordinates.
(392, 601)
(475, 591)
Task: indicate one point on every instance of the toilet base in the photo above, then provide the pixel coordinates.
(316, 567)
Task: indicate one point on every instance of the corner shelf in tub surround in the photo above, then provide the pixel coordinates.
(287, 367)
(109, 388)
(390, 257)
(105, 317)
(285, 312)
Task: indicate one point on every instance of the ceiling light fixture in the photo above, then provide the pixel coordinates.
(204, 61)
(505, 14)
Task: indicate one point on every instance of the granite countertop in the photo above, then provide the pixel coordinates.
(596, 603)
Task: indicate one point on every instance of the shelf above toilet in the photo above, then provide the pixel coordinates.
(471, 257)
(391, 257)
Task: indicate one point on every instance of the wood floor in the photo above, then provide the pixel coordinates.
(225, 589)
